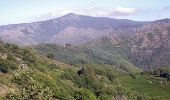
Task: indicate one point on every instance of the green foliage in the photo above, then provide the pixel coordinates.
(31, 88)
(50, 55)
(84, 94)
(104, 54)
(100, 84)
(148, 87)
(13, 96)
(107, 75)
(3, 69)
(105, 97)
(57, 89)
(7, 65)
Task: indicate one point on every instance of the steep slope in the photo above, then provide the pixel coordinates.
(104, 54)
(25, 75)
(148, 48)
(151, 45)
(71, 28)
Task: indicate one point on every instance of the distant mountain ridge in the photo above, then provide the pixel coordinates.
(71, 28)
(148, 48)
(145, 44)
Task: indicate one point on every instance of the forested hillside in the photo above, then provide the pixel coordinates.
(28, 75)
(109, 56)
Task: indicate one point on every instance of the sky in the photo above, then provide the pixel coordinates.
(24, 11)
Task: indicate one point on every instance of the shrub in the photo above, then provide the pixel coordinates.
(50, 55)
(3, 69)
(84, 94)
(105, 97)
(31, 88)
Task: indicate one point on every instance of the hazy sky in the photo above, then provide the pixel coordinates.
(20, 11)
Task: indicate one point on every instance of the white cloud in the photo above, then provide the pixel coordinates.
(54, 14)
(124, 10)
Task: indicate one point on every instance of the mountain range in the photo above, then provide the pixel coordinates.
(145, 44)
(71, 28)
(77, 57)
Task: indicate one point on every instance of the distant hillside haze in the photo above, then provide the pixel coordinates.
(71, 28)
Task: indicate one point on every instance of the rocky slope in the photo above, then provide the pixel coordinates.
(71, 28)
(148, 48)
(151, 44)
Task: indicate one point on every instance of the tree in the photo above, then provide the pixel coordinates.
(50, 55)
(3, 69)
